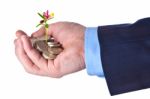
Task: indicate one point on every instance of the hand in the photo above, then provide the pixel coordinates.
(70, 35)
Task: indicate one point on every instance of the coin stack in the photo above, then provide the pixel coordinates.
(49, 49)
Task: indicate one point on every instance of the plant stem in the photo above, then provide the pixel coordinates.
(46, 34)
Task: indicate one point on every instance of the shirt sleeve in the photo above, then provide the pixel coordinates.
(92, 52)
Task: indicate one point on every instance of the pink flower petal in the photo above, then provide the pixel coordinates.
(47, 13)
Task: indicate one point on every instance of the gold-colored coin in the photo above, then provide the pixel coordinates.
(50, 56)
(45, 56)
(55, 45)
(52, 43)
(50, 39)
(49, 49)
(41, 46)
(55, 50)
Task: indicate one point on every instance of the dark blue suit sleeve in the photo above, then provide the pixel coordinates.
(125, 55)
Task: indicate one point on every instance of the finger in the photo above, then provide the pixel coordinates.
(54, 69)
(19, 33)
(39, 33)
(33, 54)
(15, 41)
(45, 65)
(51, 29)
(29, 66)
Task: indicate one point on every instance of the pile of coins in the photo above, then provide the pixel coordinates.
(49, 49)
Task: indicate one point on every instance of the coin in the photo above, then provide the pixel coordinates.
(52, 43)
(33, 41)
(50, 56)
(45, 56)
(42, 46)
(55, 45)
(49, 49)
(55, 50)
(51, 39)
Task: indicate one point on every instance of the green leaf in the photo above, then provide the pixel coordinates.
(38, 25)
(41, 16)
(46, 25)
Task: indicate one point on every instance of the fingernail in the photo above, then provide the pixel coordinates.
(18, 31)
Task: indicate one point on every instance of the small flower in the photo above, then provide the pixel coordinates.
(45, 17)
(46, 14)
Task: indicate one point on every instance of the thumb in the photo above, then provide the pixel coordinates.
(42, 31)
(39, 32)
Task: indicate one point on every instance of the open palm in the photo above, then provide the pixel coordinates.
(71, 59)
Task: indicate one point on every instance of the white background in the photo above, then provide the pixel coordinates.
(15, 83)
